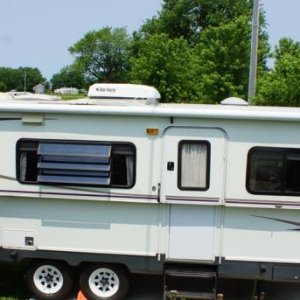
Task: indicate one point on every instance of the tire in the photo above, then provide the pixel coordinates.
(104, 282)
(49, 280)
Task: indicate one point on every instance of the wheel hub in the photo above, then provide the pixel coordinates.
(104, 282)
(49, 278)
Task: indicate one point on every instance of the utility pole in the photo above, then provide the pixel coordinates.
(25, 80)
(254, 47)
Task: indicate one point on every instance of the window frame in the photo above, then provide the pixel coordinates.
(283, 176)
(208, 162)
(81, 142)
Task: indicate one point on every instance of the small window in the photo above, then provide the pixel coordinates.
(76, 163)
(194, 157)
(273, 171)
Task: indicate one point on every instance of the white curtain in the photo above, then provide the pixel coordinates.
(23, 166)
(129, 168)
(193, 165)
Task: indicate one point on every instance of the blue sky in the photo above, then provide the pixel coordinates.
(282, 18)
(37, 33)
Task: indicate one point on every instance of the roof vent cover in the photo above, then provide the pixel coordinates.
(124, 91)
(233, 101)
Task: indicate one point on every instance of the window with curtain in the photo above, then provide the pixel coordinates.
(194, 157)
(76, 163)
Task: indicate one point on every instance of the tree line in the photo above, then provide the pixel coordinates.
(193, 51)
(20, 79)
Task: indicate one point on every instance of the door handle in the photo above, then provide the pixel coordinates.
(170, 166)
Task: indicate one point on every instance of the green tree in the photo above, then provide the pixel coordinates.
(69, 76)
(169, 65)
(188, 18)
(286, 46)
(33, 77)
(218, 35)
(6, 80)
(224, 55)
(103, 55)
(21, 78)
(216, 67)
(3, 86)
(280, 86)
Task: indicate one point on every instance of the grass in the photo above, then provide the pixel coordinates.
(67, 97)
(73, 97)
(12, 286)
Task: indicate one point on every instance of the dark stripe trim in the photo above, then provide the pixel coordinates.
(263, 202)
(193, 199)
(8, 178)
(125, 196)
(119, 98)
(282, 221)
(10, 119)
(18, 119)
(75, 189)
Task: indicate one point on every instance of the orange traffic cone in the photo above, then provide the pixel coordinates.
(80, 296)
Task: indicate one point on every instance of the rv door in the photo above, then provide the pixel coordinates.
(193, 176)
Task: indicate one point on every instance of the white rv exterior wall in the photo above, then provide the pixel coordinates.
(132, 221)
(90, 227)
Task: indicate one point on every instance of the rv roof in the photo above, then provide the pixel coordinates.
(125, 99)
(136, 108)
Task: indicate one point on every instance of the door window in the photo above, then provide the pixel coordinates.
(194, 157)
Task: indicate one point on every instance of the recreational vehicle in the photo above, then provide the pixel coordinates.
(119, 183)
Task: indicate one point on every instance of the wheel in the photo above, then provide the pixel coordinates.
(50, 280)
(105, 282)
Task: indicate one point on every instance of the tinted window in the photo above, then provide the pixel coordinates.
(273, 171)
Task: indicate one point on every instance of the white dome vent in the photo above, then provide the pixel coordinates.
(234, 101)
